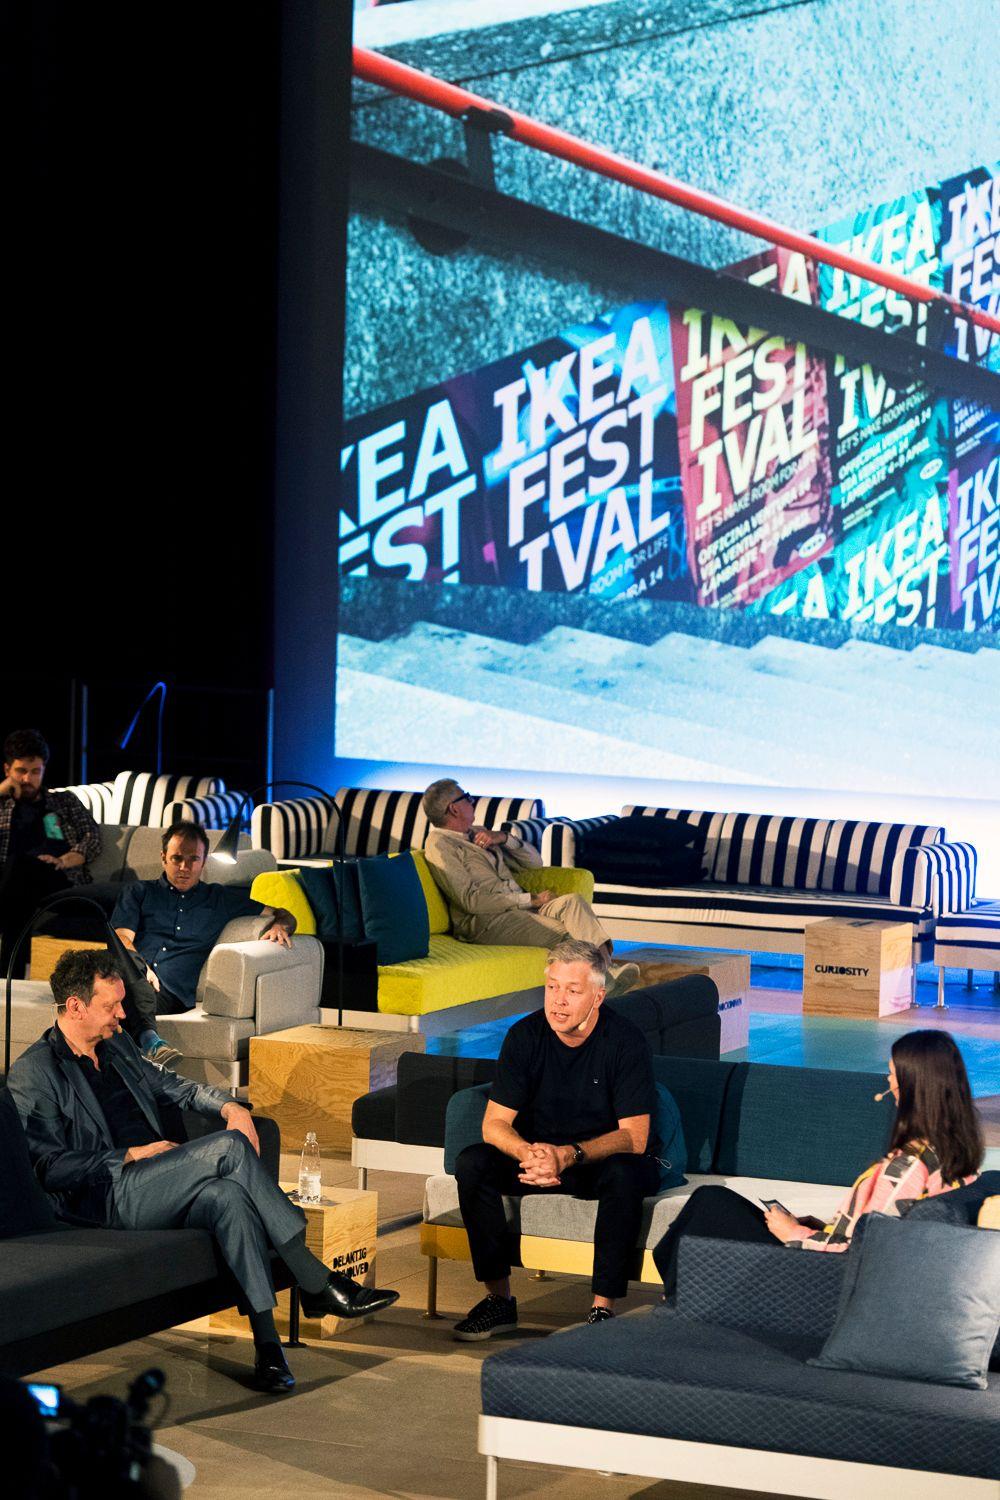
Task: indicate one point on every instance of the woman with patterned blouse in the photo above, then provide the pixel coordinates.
(936, 1144)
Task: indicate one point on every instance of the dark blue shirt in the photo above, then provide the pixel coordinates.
(175, 931)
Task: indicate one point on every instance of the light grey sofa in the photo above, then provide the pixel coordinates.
(246, 988)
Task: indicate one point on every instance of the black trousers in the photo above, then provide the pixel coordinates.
(711, 1213)
(24, 882)
(142, 1004)
(619, 1183)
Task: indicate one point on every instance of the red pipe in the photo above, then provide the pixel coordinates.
(375, 67)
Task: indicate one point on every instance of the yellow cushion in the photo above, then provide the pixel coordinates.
(454, 973)
(280, 888)
(437, 908)
(561, 880)
(989, 1214)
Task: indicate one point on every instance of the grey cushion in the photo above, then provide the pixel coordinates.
(667, 1375)
(922, 1302)
(50, 1280)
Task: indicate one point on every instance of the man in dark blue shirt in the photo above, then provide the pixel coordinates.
(172, 924)
(569, 1111)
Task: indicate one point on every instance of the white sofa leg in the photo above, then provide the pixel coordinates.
(492, 1478)
(362, 1178)
(940, 999)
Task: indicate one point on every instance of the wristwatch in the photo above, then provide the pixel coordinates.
(578, 1157)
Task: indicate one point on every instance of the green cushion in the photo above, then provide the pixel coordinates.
(281, 888)
(394, 908)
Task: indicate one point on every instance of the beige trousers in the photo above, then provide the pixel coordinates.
(563, 916)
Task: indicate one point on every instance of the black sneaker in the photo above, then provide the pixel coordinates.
(599, 1315)
(493, 1315)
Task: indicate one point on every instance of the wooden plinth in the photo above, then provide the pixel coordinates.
(341, 1232)
(308, 1077)
(47, 951)
(854, 967)
(729, 971)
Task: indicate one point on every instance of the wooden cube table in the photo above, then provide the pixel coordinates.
(729, 971)
(308, 1077)
(854, 967)
(47, 951)
(341, 1231)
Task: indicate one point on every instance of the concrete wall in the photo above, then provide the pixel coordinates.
(806, 110)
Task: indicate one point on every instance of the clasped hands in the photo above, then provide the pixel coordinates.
(543, 1164)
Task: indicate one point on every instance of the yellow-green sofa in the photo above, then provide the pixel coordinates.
(484, 980)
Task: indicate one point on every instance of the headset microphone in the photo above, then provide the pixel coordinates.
(583, 1024)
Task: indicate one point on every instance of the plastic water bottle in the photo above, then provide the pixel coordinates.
(310, 1172)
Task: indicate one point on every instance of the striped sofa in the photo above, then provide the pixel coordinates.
(141, 799)
(374, 822)
(969, 939)
(768, 876)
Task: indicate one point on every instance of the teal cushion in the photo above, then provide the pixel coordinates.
(322, 888)
(667, 1142)
(394, 908)
(802, 1124)
(463, 1122)
(923, 1303)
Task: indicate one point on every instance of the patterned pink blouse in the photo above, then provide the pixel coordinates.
(889, 1186)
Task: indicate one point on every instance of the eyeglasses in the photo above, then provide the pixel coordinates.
(459, 800)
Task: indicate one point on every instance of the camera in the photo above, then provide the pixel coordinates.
(100, 1449)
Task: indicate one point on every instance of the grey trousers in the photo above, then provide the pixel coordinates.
(218, 1184)
(563, 916)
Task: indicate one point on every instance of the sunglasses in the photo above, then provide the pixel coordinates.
(459, 800)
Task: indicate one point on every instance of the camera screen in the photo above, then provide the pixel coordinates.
(47, 1398)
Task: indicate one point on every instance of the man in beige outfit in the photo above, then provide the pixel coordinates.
(473, 867)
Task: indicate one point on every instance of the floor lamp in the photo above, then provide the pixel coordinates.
(227, 847)
(58, 898)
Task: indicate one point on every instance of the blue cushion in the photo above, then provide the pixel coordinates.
(394, 908)
(668, 1140)
(923, 1303)
(322, 889)
(801, 1124)
(463, 1121)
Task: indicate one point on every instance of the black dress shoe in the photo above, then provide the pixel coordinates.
(344, 1298)
(270, 1370)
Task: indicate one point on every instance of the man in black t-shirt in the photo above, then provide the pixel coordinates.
(569, 1111)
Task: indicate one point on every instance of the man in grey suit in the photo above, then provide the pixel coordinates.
(90, 1106)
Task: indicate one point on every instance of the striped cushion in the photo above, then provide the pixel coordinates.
(378, 822)
(750, 909)
(773, 850)
(559, 839)
(529, 830)
(495, 812)
(98, 798)
(387, 822)
(140, 797)
(292, 830)
(860, 856)
(215, 811)
(939, 876)
(970, 939)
